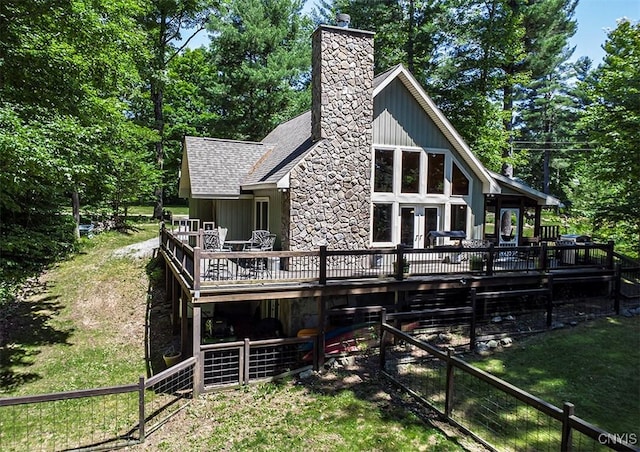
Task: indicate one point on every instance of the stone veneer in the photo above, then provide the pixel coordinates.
(330, 189)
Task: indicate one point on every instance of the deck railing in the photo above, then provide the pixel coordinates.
(200, 269)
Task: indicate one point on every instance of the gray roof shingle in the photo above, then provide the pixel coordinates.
(217, 167)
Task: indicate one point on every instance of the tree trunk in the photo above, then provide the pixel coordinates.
(75, 208)
(156, 97)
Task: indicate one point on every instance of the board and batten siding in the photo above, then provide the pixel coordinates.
(400, 121)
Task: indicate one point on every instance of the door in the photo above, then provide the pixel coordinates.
(415, 224)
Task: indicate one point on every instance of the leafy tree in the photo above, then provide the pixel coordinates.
(262, 58)
(170, 25)
(612, 121)
(67, 70)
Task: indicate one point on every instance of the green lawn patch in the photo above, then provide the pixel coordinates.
(594, 365)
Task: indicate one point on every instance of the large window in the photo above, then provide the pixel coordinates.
(459, 218)
(435, 173)
(459, 182)
(410, 172)
(382, 222)
(383, 171)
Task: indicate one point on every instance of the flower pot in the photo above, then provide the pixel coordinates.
(171, 358)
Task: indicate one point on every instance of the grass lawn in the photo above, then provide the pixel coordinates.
(595, 366)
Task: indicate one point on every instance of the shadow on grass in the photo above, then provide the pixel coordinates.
(26, 327)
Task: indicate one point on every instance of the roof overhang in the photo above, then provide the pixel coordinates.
(542, 199)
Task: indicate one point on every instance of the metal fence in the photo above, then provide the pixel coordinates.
(244, 362)
(496, 413)
(95, 419)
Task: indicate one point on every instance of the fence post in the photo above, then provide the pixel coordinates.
(490, 259)
(141, 413)
(383, 334)
(323, 265)
(198, 371)
(472, 326)
(550, 301)
(448, 401)
(246, 352)
(399, 262)
(567, 410)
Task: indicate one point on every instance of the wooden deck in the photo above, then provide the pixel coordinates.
(231, 276)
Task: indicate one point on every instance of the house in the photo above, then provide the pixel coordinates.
(373, 164)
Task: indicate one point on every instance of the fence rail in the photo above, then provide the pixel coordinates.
(496, 413)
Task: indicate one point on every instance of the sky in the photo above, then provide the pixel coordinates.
(594, 18)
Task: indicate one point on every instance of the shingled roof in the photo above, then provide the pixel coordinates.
(215, 168)
(288, 143)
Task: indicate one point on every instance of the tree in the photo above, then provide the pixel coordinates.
(165, 22)
(612, 121)
(261, 55)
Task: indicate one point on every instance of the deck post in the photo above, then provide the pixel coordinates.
(198, 372)
(610, 244)
(490, 260)
(321, 330)
(196, 270)
(550, 302)
(399, 262)
(141, 412)
(543, 256)
(184, 323)
(322, 276)
(617, 287)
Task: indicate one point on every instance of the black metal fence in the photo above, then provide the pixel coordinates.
(496, 413)
(96, 419)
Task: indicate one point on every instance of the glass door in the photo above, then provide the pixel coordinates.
(415, 224)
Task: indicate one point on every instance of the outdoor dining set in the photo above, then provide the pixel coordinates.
(214, 241)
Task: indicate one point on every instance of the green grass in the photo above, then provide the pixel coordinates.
(284, 416)
(84, 325)
(595, 366)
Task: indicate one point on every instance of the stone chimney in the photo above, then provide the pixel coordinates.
(342, 82)
(330, 190)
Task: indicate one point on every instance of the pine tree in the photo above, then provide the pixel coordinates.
(262, 57)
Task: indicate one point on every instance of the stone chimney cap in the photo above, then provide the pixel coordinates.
(343, 20)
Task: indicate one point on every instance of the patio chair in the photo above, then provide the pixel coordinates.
(213, 241)
(257, 237)
(258, 266)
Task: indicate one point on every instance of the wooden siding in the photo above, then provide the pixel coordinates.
(399, 120)
(237, 216)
